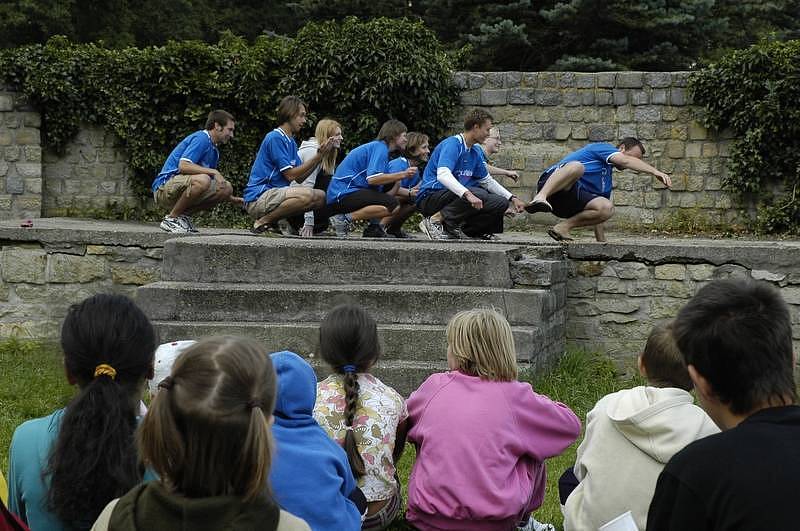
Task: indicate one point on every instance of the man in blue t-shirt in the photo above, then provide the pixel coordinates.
(356, 189)
(578, 187)
(268, 196)
(457, 183)
(189, 180)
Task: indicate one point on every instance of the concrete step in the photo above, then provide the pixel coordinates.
(416, 343)
(254, 259)
(409, 353)
(420, 304)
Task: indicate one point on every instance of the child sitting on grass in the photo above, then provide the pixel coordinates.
(207, 436)
(481, 435)
(310, 476)
(361, 413)
(630, 435)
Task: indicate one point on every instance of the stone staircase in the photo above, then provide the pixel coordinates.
(277, 290)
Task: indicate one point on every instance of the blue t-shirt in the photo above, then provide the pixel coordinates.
(401, 164)
(596, 167)
(278, 153)
(467, 165)
(367, 160)
(197, 148)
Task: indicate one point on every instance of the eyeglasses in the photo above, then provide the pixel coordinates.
(495, 137)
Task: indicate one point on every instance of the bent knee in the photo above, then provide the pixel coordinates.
(574, 168)
(606, 210)
(201, 182)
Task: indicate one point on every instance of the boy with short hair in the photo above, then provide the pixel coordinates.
(630, 435)
(736, 340)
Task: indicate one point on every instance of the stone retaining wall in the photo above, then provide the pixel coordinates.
(607, 297)
(617, 292)
(43, 271)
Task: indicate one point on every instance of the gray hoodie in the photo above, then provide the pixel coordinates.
(630, 436)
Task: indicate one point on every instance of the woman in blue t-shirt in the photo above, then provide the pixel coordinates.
(416, 154)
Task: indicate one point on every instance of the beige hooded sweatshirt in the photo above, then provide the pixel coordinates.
(630, 436)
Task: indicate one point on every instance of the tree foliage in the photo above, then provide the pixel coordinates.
(755, 93)
(360, 73)
(508, 35)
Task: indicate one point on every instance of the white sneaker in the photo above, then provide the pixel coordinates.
(433, 230)
(341, 225)
(186, 223)
(533, 525)
(174, 225)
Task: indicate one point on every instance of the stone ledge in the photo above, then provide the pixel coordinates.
(762, 255)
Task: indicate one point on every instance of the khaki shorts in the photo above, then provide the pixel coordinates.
(267, 202)
(168, 193)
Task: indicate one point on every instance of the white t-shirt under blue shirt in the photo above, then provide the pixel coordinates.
(466, 164)
(353, 174)
(278, 153)
(597, 169)
(196, 148)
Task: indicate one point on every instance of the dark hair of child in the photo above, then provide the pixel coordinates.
(348, 338)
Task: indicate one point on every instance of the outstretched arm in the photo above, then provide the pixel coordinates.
(627, 162)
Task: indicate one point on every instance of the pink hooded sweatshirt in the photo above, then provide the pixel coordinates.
(481, 447)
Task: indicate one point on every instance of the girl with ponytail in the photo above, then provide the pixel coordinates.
(65, 467)
(207, 435)
(364, 415)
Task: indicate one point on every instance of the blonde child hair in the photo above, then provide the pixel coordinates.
(480, 343)
(326, 128)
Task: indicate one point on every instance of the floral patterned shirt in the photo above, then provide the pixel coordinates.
(380, 410)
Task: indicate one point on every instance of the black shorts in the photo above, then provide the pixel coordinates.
(362, 198)
(567, 203)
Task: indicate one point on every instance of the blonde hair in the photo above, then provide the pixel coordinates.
(481, 343)
(325, 129)
(207, 432)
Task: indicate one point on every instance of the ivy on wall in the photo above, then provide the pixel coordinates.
(756, 94)
(360, 73)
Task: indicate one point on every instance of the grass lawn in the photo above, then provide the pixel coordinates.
(34, 385)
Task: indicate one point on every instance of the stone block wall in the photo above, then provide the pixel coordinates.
(20, 158)
(43, 272)
(542, 116)
(617, 292)
(91, 174)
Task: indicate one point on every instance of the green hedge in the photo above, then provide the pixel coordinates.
(756, 94)
(360, 73)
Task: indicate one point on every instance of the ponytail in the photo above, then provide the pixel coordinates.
(108, 346)
(253, 470)
(351, 389)
(94, 456)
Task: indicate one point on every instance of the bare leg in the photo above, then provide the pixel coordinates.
(298, 199)
(600, 232)
(197, 187)
(371, 211)
(562, 178)
(405, 210)
(223, 194)
(596, 212)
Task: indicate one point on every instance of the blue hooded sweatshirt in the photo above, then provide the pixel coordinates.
(310, 475)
